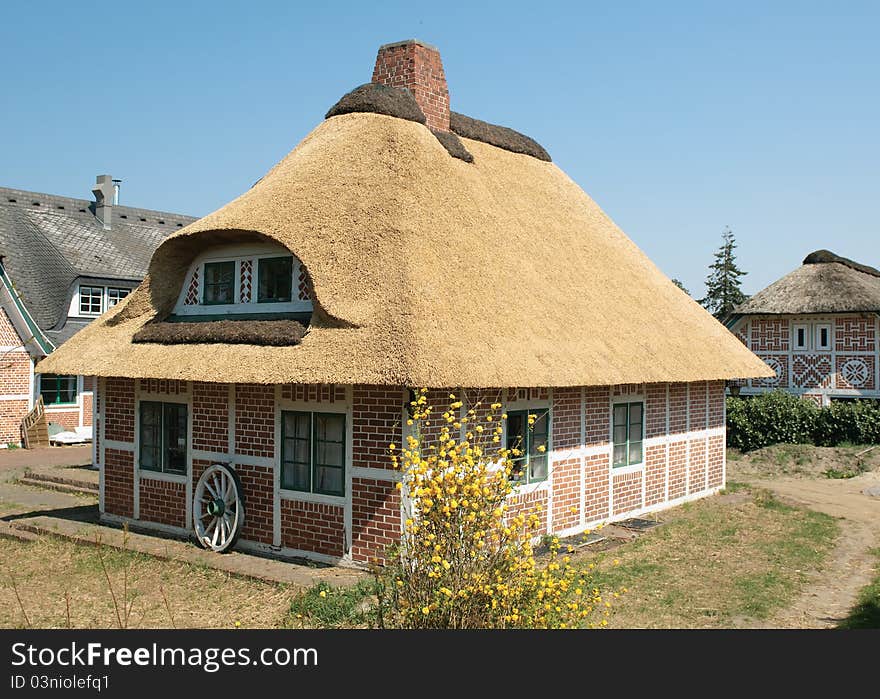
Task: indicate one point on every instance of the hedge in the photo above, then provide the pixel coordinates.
(771, 418)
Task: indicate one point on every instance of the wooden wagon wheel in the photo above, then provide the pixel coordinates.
(218, 508)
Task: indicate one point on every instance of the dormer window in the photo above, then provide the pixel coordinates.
(219, 283)
(244, 281)
(90, 298)
(275, 279)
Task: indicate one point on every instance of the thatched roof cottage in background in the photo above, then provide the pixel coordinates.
(272, 348)
(818, 329)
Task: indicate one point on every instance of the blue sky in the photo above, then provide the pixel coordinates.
(677, 118)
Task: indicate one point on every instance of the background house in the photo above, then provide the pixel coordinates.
(818, 329)
(63, 262)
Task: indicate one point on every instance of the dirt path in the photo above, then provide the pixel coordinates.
(831, 593)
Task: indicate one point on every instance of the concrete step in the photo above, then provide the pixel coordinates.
(59, 483)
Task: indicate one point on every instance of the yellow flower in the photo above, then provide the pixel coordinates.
(323, 593)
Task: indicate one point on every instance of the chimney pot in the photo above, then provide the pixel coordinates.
(415, 65)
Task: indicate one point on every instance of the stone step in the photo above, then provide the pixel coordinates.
(64, 485)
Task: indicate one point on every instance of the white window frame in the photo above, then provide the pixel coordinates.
(819, 327)
(107, 303)
(794, 335)
(631, 398)
(79, 299)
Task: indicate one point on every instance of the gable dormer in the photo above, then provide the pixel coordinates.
(245, 281)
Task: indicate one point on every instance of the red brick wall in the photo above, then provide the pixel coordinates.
(596, 487)
(257, 482)
(597, 415)
(255, 420)
(11, 414)
(627, 492)
(678, 467)
(119, 482)
(527, 504)
(716, 461)
(163, 502)
(210, 418)
(377, 415)
(655, 473)
(697, 470)
(566, 493)
(15, 368)
(420, 70)
(119, 410)
(323, 393)
(68, 419)
(678, 405)
(565, 418)
(87, 409)
(313, 527)
(375, 518)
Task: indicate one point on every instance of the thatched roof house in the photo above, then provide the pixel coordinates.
(818, 329)
(274, 343)
(428, 269)
(824, 283)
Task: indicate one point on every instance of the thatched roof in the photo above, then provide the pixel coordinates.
(825, 283)
(428, 270)
(273, 333)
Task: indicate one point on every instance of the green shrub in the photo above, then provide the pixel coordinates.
(779, 417)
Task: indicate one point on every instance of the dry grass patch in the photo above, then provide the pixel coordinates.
(803, 461)
(715, 563)
(157, 593)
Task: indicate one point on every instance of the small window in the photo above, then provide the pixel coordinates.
(275, 279)
(313, 452)
(219, 283)
(114, 296)
(57, 390)
(823, 337)
(90, 298)
(629, 429)
(163, 437)
(801, 335)
(530, 466)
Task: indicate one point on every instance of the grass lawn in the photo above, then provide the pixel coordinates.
(159, 593)
(719, 562)
(866, 613)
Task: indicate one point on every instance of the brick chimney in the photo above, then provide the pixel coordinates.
(416, 66)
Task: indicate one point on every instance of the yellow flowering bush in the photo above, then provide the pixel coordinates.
(466, 559)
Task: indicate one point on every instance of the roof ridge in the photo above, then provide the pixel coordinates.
(821, 257)
(86, 203)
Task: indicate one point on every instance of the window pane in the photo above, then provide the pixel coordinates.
(175, 437)
(620, 413)
(275, 279)
(635, 452)
(296, 455)
(219, 282)
(620, 454)
(295, 476)
(329, 428)
(67, 389)
(635, 414)
(90, 299)
(516, 423)
(150, 436)
(328, 480)
(518, 470)
(620, 434)
(538, 468)
(114, 296)
(539, 428)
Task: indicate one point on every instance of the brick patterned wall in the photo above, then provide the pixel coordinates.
(856, 372)
(313, 527)
(698, 406)
(565, 418)
(163, 502)
(88, 383)
(678, 406)
(68, 419)
(566, 493)
(678, 468)
(420, 70)
(210, 418)
(119, 410)
(11, 414)
(770, 335)
(855, 334)
(15, 371)
(627, 492)
(534, 502)
(375, 520)
(716, 461)
(655, 410)
(596, 487)
(87, 400)
(697, 470)
(257, 483)
(255, 420)
(716, 404)
(377, 415)
(597, 415)
(119, 482)
(8, 334)
(169, 387)
(655, 474)
(323, 393)
(811, 370)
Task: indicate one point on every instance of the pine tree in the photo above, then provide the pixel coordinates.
(723, 292)
(681, 285)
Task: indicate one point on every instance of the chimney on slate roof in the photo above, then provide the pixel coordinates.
(103, 191)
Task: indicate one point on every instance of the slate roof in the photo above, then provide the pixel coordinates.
(48, 242)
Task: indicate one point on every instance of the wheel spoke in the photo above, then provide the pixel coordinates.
(206, 515)
(216, 534)
(210, 489)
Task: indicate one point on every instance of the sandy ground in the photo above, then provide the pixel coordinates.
(833, 591)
